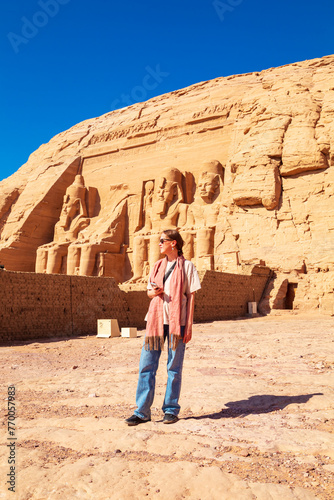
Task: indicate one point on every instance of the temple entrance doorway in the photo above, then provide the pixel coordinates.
(290, 295)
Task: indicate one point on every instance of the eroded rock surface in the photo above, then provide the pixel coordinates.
(243, 166)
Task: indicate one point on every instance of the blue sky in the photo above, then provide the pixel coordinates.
(64, 61)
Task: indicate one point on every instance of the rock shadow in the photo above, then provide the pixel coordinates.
(255, 405)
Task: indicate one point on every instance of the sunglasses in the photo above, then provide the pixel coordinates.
(162, 240)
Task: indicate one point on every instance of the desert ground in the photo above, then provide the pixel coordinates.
(257, 416)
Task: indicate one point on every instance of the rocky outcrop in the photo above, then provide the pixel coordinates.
(243, 166)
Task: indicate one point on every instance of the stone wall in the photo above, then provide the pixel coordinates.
(43, 306)
(225, 295)
(138, 303)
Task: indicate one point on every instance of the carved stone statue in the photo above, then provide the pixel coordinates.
(167, 210)
(101, 252)
(73, 218)
(202, 216)
(147, 207)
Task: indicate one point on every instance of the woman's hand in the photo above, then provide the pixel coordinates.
(154, 292)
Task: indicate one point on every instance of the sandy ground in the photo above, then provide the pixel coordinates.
(257, 416)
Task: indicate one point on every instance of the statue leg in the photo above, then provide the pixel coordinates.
(73, 258)
(87, 261)
(139, 257)
(188, 245)
(205, 238)
(41, 260)
(154, 253)
(55, 257)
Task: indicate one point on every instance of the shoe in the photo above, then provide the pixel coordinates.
(169, 418)
(135, 420)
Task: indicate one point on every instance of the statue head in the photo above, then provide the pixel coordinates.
(149, 188)
(73, 202)
(168, 189)
(210, 181)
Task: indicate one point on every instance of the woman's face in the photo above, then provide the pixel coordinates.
(166, 244)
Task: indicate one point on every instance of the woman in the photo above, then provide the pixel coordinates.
(172, 284)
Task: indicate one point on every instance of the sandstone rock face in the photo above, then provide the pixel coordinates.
(243, 166)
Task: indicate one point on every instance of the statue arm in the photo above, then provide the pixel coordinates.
(182, 215)
(190, 218)
(79, 225)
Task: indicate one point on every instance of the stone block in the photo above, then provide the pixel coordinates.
(107, 328)
(129, 332)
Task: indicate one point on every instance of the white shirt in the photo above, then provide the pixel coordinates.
(190, 285)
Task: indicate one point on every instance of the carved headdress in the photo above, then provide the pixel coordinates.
(174, 176)
(213, 167)
(171, 177)
(212, 172)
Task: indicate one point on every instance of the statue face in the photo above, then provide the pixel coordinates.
(207, 186)
(166, 190)
(165, 194)
(69, 210)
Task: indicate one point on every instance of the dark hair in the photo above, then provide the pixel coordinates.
(175, 235)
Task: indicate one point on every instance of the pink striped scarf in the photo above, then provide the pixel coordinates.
(154, 339)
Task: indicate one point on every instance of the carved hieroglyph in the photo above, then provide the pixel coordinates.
(243, 166)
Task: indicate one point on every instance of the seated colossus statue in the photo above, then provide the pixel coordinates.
(202, 216)
(164, 209)
(73, 218)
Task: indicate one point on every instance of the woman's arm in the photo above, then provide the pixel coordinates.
(190, 317)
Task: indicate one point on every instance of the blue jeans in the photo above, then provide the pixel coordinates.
(148, 365)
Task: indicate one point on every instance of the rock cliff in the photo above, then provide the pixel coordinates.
(243, 166)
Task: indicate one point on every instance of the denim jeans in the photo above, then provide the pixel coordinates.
(148, 365)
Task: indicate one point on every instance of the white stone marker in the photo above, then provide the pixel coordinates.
(129, 332)
(107, 328)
